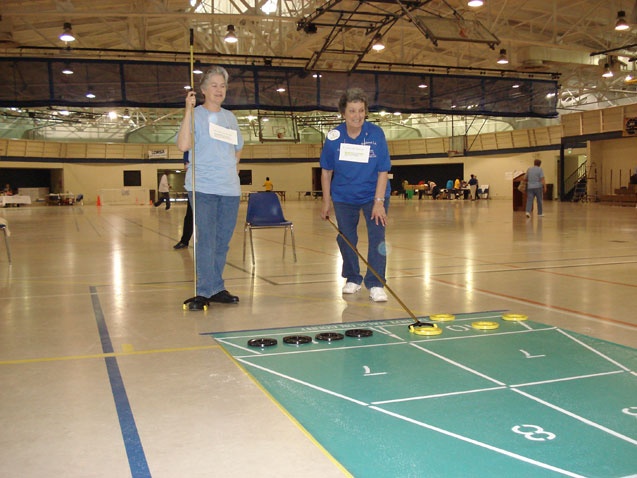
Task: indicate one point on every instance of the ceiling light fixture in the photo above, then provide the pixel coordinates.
(280, 89)
(269, 7)
(197, 68)
(67, 34)
(475, 3)
(621, 23)
(89, 94)
(231, 36)
(608, 73)
(126, 114)
(66, 69)
(377, 45)
(423, 85)
(502, 59)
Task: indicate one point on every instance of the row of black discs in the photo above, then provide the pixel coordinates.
(306, 339)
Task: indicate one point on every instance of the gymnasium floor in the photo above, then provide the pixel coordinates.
(104, 375)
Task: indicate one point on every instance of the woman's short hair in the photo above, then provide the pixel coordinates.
(210, 72)
(352, 95)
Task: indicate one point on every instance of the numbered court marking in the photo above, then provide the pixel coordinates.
(369, 373)
(529, 356)
(533, 432)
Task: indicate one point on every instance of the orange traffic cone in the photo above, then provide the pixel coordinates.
(99, 202)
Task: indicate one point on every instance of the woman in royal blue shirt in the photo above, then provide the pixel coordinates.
(355, 165)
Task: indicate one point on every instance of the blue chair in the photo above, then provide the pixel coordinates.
(265, 212)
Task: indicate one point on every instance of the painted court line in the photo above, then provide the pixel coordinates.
(605, 357)
(132, 442)
(566, 379)
(292, 379)
(464, 367)
(479, 443)
(438, 395)
(577, 417)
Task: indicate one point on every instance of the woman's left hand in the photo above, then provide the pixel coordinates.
(379, 215)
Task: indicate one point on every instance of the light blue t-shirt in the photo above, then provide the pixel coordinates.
(355, 182)
(214, 161)
(534, 177)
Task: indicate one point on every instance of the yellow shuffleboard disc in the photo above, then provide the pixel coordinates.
(442, 317)
(514, 317)
(425, 330)
(484, 325)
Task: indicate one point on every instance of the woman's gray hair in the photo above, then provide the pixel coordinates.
(352, 95)
(210, 72)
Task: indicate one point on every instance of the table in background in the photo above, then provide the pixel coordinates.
(17, 200)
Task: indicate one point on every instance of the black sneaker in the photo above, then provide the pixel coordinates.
(224, 297)
(180, 245)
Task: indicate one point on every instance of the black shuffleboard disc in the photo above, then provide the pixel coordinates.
(297, 339)
(262, 342)
(359, 333)
(329, 336)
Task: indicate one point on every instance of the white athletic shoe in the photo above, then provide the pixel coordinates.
(377, 294)
(351, 288)
(528, 214)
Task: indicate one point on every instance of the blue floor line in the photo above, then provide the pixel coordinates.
(132, 442)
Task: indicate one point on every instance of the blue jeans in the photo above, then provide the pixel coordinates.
(534, 193)
(215, 220)
(347, 217)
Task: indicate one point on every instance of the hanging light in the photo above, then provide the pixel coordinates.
(475, 3)
(197, 68)
(89, 94)
(269, 7)
(377, 45)
(608, 73)
(423, 84)
(621, 23)
(280, 89)
(502, 59)
(126, 114)
(66, 69)
(67, 34)
(231, 36)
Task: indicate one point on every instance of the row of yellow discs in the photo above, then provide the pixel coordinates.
(433, 329)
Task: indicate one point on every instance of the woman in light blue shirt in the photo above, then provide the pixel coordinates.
(212, 183)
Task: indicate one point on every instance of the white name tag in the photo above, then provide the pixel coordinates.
(356, 153)
(223, 134)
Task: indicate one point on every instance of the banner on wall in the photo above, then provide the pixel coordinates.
(157, 154)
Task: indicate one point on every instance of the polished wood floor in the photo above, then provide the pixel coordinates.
(105, 375)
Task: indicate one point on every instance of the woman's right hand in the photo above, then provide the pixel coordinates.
(191, 99)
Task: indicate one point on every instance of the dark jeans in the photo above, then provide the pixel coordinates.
(163, 197)
(187, 229)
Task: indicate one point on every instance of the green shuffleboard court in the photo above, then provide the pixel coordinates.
(511, 397)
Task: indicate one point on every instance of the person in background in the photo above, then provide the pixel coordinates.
(186, 230)
(268, 184)
(164, 192)
(535, 187)
(473, 187)
(215, 191)
(355, 165)
(7, 191)
(435, 190)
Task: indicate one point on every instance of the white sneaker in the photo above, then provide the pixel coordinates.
(528, 214)
(377, 294)
(351, 288)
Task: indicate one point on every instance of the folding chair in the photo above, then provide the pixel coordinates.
(5, 229)
(265, 212)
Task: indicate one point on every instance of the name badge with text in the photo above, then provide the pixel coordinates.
(356, 153)
(223, 134)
